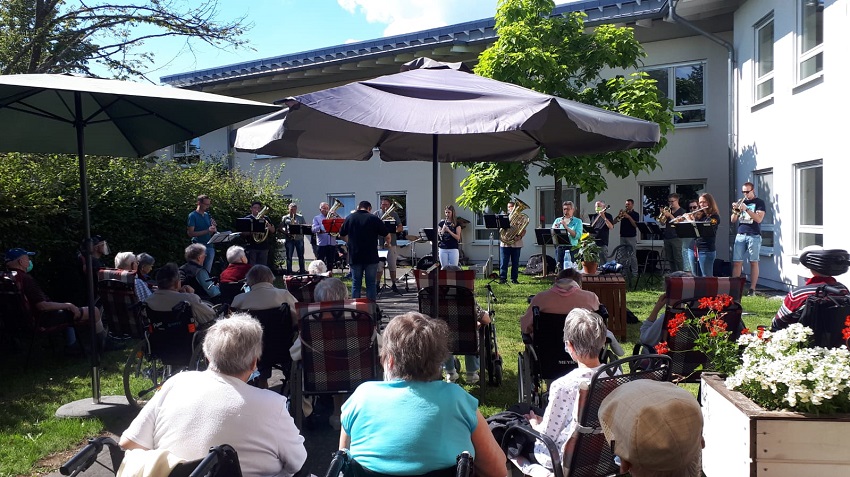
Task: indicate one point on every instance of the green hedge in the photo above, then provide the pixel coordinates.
(136, 204)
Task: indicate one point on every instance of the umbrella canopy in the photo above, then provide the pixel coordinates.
(477, 119)
(77, 115)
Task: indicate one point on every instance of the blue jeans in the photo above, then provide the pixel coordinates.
(473, 363)
(749, 245)
(295, 247)
(210, 258)
(509, 254)
(371, 271)
(704, 266)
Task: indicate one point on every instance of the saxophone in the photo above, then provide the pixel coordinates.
(519, 222)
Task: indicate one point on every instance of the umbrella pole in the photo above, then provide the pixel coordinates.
(84, 191)
(434, 251)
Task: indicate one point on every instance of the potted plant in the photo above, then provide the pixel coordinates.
(587, 252)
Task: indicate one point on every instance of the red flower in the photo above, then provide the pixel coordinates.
(845, 333)
(760, 333)
(675, 324)
(661, 348)
(847, 321)
(745, 331)
(705, 302)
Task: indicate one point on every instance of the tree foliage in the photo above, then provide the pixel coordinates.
(75, 36)
(554, 55)
(137, 205)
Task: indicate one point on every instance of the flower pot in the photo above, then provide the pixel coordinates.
(590, 267)
(743, 439)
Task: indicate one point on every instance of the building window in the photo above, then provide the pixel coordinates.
(810, 41)
(685, 85)
(654, 197)
(348, 203)
(764, 59)
(763, 181)
(546, 205)
(809, 204)
(398, 197)
(187, 152)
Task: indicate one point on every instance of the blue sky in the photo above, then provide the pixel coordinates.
(291, 26)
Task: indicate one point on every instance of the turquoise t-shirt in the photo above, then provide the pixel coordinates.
(409, 427)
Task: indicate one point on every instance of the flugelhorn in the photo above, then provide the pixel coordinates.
(519, 222)
(395, 206)
(260, 237)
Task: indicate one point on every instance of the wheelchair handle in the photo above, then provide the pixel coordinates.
(86, 457)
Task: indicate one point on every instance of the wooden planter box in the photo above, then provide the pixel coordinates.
(742, 439)
(611, 290)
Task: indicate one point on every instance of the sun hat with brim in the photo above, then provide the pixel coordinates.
(654, 425)
(16, 253)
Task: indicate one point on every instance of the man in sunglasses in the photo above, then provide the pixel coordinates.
(748, 214)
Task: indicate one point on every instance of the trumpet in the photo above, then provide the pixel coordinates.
(662, 218)
(738, 207)
(620, 216)
(261, 236)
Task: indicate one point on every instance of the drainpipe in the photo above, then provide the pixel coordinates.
(732, 124)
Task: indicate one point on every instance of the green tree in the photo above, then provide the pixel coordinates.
(554, 55)
(59, 36)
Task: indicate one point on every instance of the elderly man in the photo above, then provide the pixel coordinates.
(326, 243)
(824, 266)
(655, 428)
(294, 242)
(237, 267)
(392, 247)
(263, 294)
(565, 295)
(50, 313)
(195, 410)
(194, 274)
(170, 292)
(572, 226)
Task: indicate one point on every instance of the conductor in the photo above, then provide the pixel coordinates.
(360, 230)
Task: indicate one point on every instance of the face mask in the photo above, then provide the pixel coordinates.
(29, 267)
(599, 209)
(106, 249)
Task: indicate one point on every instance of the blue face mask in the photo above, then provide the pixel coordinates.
(29, 267)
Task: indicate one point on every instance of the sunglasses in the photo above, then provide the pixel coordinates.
(693, 207)
(746, 191)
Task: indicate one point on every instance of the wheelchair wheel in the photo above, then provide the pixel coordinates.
(524, 379)
(143, 375)
(497, 373)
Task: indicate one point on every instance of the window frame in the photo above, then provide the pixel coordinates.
(799, 228)
(342, 196)
(672, 186)
(671, 89)
(757, 53)
(767, 197)
(402, 214)
(189, 157)
(817, 50)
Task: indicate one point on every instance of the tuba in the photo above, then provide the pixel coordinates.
(260, 237)
(395, 206)
(519, 222)
(332, 211)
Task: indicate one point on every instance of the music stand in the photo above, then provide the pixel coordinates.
(250, 225)
(390, 224)
(300, 229)
(223, 237)
(497, 221)
(561, 237)
(429, 233)
(544, 237)
(693, 229)
(332, 226)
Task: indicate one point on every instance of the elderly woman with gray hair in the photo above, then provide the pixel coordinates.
(196, 410)
(128, 261)
(430, 422)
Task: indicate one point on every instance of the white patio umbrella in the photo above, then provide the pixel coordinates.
(77, 115)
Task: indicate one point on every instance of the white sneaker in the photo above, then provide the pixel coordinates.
(451, 376)
(472, 378)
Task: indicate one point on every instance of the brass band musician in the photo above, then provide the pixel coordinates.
(257, 245)
(573, 227)
(294, 242)
(509, 252)
(326, 243)
(628, 218)
(392, 247)
(601, 224)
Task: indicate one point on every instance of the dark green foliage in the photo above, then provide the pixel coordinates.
(137, 205)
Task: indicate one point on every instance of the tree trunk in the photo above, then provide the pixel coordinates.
(558, 198)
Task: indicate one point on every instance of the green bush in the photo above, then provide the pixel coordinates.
(136, 204)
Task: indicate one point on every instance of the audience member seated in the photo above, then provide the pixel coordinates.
(655, 428)
(473, 362)
(193, 272)
(195, 410)
(414, 422)
(584, 338)
(318, 267)
(50, 313)
(263, 294)
(651, 328)
(127, 261)
(170, 292)
(330, 289)
(145, 267)
(822, 266)
(237, 267)
(565, 295)
(99, 248)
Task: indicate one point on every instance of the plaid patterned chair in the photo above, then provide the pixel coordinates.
(303, 286)
(278, 335)
(460, 311)
(682, 295)
(117, 291)
(339, 349)
(463, 278)
(587, 453)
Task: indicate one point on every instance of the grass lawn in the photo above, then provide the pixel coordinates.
(30, 395)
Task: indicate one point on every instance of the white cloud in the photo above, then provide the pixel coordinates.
(405, 16)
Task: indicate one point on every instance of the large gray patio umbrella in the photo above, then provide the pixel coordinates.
(77, 115)
(440, 114)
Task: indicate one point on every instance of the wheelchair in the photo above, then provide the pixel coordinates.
(825, 313)
(342, 465)
(170, 345)
(222, 461)
(545, 358)
(278, 336)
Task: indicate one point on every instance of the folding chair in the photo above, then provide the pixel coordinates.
(121, 310)
(587, 453)
(624, 254)
(222, 461)
(278, 336)
(342, 464)
(170, 345)
(339, 349)
(460, 311)
(229, 291)
(302, 287)
(682, 296)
